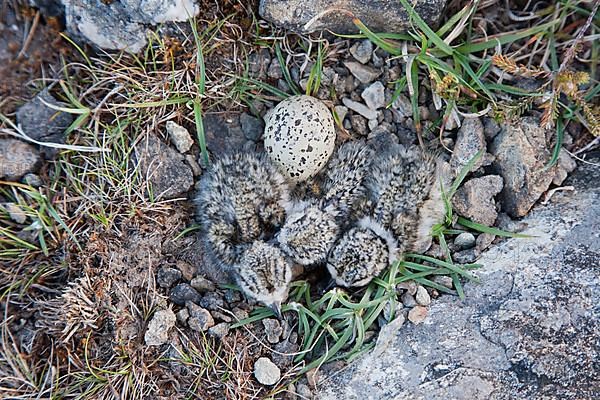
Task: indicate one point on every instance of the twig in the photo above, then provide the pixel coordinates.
(36, 21)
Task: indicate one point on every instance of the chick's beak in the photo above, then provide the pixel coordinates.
(276, 307)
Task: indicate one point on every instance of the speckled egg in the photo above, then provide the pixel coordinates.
(300, 136)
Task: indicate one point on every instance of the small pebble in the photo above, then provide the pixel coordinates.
(374, 96)
(33, 180)
(15, 212)
(443, 280)
(200, 319)
(266, 372)
(417, 314)
(182, 316)
(180, 136)
(465, 240)
(359, 125)
(183, 293)
(167, 277)
(219, 330)
(157, 332)
(362, 51)
(422, 297)
(252, 127)
(341, 112)
(201, 284)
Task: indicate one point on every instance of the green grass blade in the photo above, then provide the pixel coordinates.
(487, 229)
(431, 35)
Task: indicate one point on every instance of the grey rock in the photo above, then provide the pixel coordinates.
(219, 330)
(409, 286)
(444, 280)
(469, 141)
(167, 173)
(380, 15)
(201, 284)
(465, 240)
(566, 165)
(374, 95)
(200, 318)
(180, 136)
(273, 330)
(525, 332)
(372, 124)
(363, 73)
(17, 158)
(183, 293)
(284, 353)
(258, 63)
(360, 108)
(422, 297)
(521, 154)
(157, 332)
(475, 199)
(223, 135)
(266, 372)
(341, 112)
(122, 25)
(252, 127)
(166, 277)
(43, 123)
(362, 51)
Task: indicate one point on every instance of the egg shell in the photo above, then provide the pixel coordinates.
(300, 136)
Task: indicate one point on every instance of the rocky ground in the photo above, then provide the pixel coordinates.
(105, 290)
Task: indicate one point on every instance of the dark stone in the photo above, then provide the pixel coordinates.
(43, 123)
(167, 277)
(183, 293)
(252, 127)
(167, 172)
(223, 135)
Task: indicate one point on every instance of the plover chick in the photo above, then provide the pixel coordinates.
(264, 274)
(311, 227)
(362, 253)
(241, 198)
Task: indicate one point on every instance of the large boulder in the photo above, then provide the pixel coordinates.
(306, 16)
(529, 331)
(122, 25)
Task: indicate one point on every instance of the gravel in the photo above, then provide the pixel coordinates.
(17, 159)
(363, 73)
(360, 108)
(201, 284)
(408, 300)
(273, 330)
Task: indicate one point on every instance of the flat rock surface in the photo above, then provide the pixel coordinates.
(530, 330)
(379, 15)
